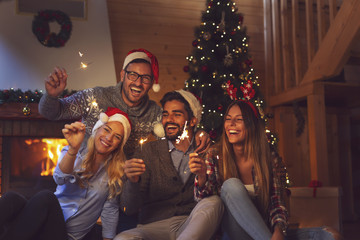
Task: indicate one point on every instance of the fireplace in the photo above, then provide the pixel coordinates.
(29, 149)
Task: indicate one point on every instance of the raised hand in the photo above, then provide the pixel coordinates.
(203, 141)
(197, 166)
(55, 83)
(74, 134)
(133, 168)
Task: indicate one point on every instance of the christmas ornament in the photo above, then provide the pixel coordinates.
(220, 107)
(195, 43)
(186, 68)
(222, 23)
(228, 60)
(204, 68)
(41, 28)
(207, 36)
(26, 111)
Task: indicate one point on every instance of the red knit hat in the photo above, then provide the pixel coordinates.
(149, 57)
(112, 115)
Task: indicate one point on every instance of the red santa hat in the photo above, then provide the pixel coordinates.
(112, 115)
(149, 57)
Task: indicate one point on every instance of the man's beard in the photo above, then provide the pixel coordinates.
(175, 136)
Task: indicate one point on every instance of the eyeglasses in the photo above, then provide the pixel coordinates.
(133, 76)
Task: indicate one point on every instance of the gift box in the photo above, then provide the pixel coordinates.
(315, 207)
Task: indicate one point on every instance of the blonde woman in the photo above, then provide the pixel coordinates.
(245, 173)
(87, 187)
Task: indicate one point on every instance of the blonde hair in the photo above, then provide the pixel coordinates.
(114, 167)
(256, 147)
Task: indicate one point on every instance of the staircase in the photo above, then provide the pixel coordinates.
(313, 61)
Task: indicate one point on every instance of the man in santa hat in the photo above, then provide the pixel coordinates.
(140, 73)
(160, 185)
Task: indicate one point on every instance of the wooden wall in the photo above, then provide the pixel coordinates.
(166, 28)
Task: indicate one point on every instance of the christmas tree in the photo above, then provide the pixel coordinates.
(220, 68)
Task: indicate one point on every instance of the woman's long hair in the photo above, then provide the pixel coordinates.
(256, 147)
(114, 167)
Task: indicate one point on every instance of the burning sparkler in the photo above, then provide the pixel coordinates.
(142, 141)
(183, 135)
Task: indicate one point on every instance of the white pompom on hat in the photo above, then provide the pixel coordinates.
(149, 57)
(194, 103)
(112, 115)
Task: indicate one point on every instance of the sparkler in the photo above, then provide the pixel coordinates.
(83, 65)
(93, 105)
(142, 141)
(183, 135)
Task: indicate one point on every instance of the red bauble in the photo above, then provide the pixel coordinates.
(210, 4)
(213, 134)
(220, 108)
(186, 68)
(204, 68)
(195, 43)
(232, 33)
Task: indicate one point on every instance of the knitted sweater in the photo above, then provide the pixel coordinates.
(160, 194)
(86, 105)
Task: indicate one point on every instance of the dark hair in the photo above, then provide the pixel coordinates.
(169, 96)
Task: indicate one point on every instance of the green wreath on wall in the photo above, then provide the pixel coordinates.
(41, 28)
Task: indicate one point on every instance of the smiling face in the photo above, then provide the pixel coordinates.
(234, 126)
(108, 138)
(134, 92)
(174, 118)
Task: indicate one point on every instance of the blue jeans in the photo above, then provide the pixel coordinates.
(242, 220)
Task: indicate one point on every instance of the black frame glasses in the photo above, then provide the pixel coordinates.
(134, 76)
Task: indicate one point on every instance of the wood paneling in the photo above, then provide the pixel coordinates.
(166, 28)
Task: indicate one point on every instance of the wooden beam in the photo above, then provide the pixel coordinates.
(320, 6)
(294, 94)
(285, 44)
(317, 137)
(269, 54)
(296, 41)
(335, 48)
(309, 14)
(332, 10)
(276, 46)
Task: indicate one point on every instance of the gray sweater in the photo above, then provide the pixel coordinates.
(160, 194)
(86, 105)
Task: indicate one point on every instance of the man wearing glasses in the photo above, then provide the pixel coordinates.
(140, 72)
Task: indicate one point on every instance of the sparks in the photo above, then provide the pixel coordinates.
(183, 135)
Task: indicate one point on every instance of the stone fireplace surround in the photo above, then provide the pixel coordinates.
(13, 123)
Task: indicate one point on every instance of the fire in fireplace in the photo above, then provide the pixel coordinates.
(28, 163)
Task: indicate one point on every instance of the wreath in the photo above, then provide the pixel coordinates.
(41, 28)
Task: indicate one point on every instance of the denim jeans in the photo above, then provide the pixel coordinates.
(242, 220)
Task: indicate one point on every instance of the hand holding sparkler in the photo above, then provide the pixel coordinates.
(203, 141)
(197, 166)
(133, 168)
(55, 83)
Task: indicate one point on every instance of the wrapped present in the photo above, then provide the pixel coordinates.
(315, 206)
